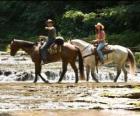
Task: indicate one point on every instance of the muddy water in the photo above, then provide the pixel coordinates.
(20, 97)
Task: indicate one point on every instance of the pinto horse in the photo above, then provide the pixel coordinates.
(120, 56)
(68, 54)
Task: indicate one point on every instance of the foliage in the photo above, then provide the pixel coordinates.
(127, 38)
(71, 25)
(120, 26)
(137, 57)
(73, 19)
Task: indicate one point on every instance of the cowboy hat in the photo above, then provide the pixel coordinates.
(99, 24)
(49, 21)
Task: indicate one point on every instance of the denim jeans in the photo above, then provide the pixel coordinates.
(99, 50)
(45, 47)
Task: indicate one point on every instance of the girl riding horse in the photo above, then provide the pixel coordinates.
(100, 40)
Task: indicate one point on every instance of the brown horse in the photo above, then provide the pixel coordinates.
(67, 54)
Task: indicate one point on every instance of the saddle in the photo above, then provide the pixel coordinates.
(106, 50)
(56, 46)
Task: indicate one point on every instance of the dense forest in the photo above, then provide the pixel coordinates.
(73, 19)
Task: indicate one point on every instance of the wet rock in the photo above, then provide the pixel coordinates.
(70, 86)
(24, 76)
(3, 59)
(112, 76)
(51, 75)
(21, 53)
(1, 72)
(97, 107)
(135, 104)
(132, 95)
(133, 108)
(7, 73)
(3, 53)
(129, 95)
(21, 59)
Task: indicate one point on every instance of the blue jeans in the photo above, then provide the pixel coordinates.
(101, 45)
(45, 47)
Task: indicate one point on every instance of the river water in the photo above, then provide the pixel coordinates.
(18, 93)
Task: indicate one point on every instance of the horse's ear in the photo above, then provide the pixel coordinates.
(12, 40)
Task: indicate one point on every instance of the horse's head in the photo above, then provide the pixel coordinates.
(80, 43)
(13, 48)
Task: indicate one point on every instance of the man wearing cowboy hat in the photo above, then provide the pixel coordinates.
(51, 37)
(100, 40)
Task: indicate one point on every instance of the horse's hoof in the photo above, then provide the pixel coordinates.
(115, 81)
(96, 81)
(76, 82)
(47, 82)
(59, 82)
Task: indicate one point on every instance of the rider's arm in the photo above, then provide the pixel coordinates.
(49, 28)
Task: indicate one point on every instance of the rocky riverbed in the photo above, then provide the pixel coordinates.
(20, 97)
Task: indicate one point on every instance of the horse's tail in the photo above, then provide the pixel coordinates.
(131, 60)
(81, 65)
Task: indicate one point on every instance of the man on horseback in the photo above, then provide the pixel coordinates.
(100, 40)
(51, 38)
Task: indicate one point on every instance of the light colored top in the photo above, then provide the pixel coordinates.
(100, 36)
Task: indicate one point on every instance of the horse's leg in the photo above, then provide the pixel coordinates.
(125, 73)
(87, 72)
(36, 78)
(64, 69)
(75, 71)
(46, 81)
(93, 74)
(118, 74)
(36, 73)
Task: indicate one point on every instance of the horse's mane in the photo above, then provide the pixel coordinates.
(80, 41)
(24, 43)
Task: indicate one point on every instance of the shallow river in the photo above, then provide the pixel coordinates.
(20, 97)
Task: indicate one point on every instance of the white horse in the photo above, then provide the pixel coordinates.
(120, 56)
